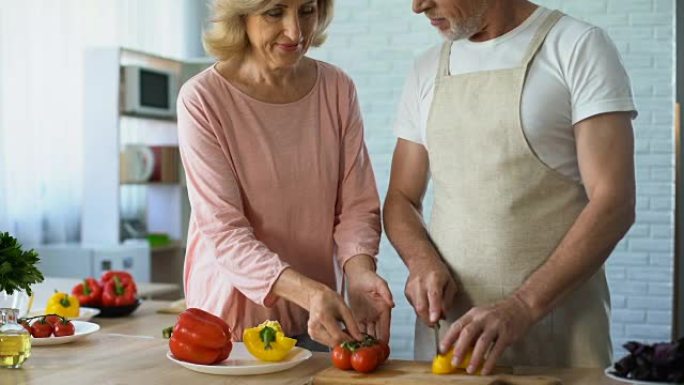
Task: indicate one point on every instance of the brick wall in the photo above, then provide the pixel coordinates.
(375, 42)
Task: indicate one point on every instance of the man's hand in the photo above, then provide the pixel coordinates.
(430, 289)
(490, 329)
(371, 303)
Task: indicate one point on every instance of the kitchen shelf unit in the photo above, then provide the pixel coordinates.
(109, 203)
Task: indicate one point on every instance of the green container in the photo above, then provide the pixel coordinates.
(158, 239)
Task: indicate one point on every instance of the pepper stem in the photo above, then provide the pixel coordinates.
(118, 287)
(267, 335)
(64, 301)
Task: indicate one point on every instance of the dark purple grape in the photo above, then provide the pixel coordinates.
(657, 362)
(625, 365)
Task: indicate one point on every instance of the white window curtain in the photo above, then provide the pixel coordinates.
(41, 76)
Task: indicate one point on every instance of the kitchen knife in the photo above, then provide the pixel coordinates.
(436, 329)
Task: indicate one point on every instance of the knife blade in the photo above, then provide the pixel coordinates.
(436, 330)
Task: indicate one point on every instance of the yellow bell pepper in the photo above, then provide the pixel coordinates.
(267, 342)
(441, 364)
(63, 304)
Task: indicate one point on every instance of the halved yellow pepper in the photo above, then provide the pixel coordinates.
(63, 304)
(267, 342)
(441, 364)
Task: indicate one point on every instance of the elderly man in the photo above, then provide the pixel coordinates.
(522, 119)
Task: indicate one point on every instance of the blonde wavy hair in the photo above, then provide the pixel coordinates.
(227, 38)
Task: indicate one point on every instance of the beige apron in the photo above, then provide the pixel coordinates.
(499, 213)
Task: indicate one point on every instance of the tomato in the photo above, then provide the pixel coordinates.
(341, 357)
(63, 329)
(385, 350)
(364, 360)
(379, 351)
(26, 326)
(52, 320)
(192, 353)
(41, 329)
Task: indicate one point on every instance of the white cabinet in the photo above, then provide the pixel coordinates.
(66, 260)
(81, 261)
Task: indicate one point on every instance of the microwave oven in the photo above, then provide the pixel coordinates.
(148, 92)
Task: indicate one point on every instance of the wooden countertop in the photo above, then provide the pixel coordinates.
(130, 351)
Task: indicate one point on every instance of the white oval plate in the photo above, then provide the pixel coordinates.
(633, 382)
(82, 329)
(85, 314)
(241, 363)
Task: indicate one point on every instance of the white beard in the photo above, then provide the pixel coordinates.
(463, 30)
(466, 28)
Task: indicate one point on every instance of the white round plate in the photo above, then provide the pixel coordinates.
(241, 363)
(82, 329)
(633, 382)
(85, 314)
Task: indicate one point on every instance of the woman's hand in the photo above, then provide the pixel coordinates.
(371, 303)
(369, 297)
(326, 308)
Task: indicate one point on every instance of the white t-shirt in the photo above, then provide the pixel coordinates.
(576, 74)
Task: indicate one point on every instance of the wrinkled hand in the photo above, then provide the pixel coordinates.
(371, 303)
(431, 290)
(326, 308)
(490, 329)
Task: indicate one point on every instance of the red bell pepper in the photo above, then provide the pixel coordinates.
(118, 293)
(108, 275)
(88, 292)
(200, 337)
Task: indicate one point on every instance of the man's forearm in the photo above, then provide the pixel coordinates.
(406, 231)
(583, 250)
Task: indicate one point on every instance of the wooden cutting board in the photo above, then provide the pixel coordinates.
(396, 372)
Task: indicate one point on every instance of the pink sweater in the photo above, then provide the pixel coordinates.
(272, 186)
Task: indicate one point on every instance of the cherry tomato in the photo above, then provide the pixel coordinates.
(341, 358)
(41, 329)
(52, 320)
(26, 326)
(379, 351)
(193, 353)
(63, 329)
(385, 350)
(364, 360)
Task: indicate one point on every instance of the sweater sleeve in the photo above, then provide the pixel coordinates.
(357, 214)
(217, 208)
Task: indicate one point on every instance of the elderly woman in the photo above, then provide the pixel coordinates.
(279, 179)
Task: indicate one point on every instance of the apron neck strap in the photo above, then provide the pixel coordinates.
(540, 36)
(537, 41)
(443, 69)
